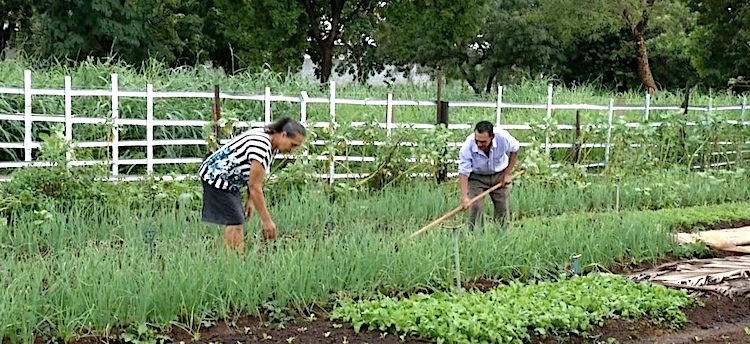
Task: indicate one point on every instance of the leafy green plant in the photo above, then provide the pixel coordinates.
(513, 313)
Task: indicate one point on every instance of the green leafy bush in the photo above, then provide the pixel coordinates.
(513, 313)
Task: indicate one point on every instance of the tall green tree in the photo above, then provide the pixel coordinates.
(518, 45)
(16, 20)
(357, 50)
(436, 34)
(721, 42)
(255, 34)
(132, 31)
(594, 19)
(326, 23)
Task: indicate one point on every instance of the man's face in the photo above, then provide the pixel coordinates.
(483, 140)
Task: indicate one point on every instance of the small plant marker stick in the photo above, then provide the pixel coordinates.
(456, 258)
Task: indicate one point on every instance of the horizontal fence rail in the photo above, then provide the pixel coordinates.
(28, 117)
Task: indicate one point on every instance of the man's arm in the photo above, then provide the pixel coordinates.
(511, 163)
(513, 146)
(255, 189)
(464, 170)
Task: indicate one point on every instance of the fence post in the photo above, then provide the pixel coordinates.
(332, 102)
(744, 107)
(27, 114)
(743, 122)
(499, 108)
(648, 107)
(549, 117)
(68, 116)
(149, 129)
(389, 114)
(609, 132)
(303, 107)
(115, 128)
(578, 137)
(332, 127)
(267, 105)
(216, 114)
(303, 121)
(442, 118)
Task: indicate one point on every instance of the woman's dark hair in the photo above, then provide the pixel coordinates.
(286, 125)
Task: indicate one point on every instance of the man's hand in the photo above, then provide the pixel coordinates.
(465, 201)
(269, 230)
(505, 179)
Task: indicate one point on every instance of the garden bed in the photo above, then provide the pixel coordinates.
(719, 320)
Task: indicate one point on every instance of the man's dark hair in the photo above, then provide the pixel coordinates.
(484, 127)
(286, 125)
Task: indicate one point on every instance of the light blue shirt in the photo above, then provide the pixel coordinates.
(474, 160)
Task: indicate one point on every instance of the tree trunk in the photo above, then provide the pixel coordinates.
(324, 40)
(326, 63)
(490, 83)
(638, 30)
(644, 67)
(361, 74)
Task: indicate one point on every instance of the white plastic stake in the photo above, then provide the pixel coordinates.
(648, 108)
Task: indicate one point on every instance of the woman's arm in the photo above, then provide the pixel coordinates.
(255, 188)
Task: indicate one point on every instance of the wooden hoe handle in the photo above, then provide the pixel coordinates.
(461, 208)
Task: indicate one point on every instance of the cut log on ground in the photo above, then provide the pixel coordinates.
(730, 240)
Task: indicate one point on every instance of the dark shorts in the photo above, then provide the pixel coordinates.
(222, 207)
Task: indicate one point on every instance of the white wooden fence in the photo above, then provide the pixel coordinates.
(115, 94)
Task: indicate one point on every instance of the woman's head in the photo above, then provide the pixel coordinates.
(286, 134)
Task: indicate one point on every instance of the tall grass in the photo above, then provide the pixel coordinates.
(95, 268)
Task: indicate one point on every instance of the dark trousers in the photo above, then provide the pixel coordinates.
(500, 197)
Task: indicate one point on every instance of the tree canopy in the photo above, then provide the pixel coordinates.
(644, 45)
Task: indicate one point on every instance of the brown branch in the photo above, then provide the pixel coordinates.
(314, 20)
(337, 6)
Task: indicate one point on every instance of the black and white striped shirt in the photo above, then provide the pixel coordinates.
(229, 167)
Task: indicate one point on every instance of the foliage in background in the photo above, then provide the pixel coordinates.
(661, 44)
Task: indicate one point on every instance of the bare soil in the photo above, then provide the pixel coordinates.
(720, 320)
